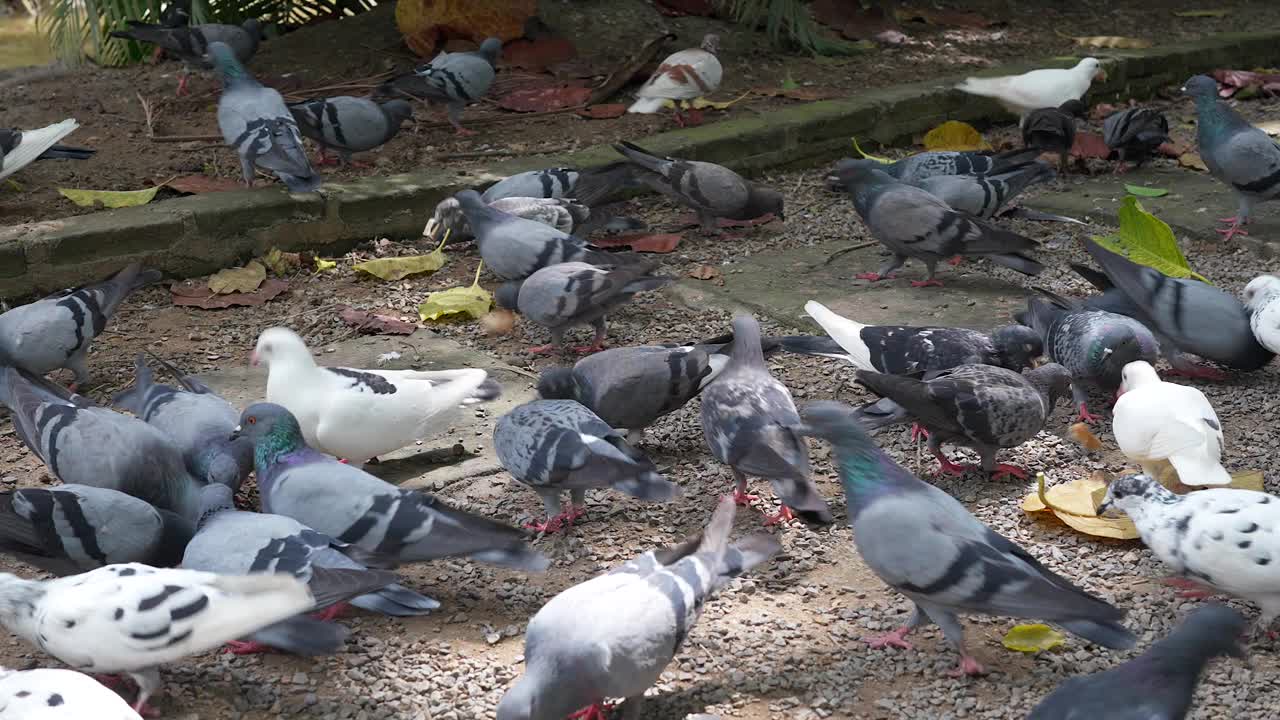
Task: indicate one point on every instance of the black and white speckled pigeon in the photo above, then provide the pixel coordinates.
(1236, 152)
(559, 213)
(193, 43)
(613, 635)
(1159, 684)
(984, 196)
(56, 331)
(354, 507)
(1134, 134)
(910, 222)
(255, 121)
(563, 295)
(57, 694)
(750, 423)
(73, 528)
(1093, 345)
(452, 79)
(348, 124)
(1262, 297)
(914, 169)
(923, 543)
(196, 419)
(1223, 540)
(1053, 129)
(558, 445)
(20, 148)
(82, 444)
(978, 406)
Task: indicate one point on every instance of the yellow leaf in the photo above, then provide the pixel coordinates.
(1075, 503)
(473, 301)
(109, 198)
(1193, 161)
(324, 265)
(281, 263)
(1112, 41)
(1147, 240)
(864, 154)
(395, 268)
(1247, 480)
(238, 280)
(1084, 437)
(1241, 480)
(1032, 638)
(955, 135)
(1270, 127)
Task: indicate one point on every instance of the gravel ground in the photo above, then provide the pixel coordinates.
(782, 642)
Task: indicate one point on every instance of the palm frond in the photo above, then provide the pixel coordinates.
(788, 25)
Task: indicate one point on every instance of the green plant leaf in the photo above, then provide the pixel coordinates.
(863, 153)
(109, 198)
(1147, 240)
(1141, 191)
(472, 300)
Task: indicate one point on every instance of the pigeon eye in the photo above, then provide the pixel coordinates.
(252, 420)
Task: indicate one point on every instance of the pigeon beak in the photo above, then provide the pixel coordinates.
(253, 360)
(1037, 362)
(1100, 75)
(1103, 509)
(430, 230)
(235, 434)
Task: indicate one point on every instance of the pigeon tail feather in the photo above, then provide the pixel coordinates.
(647, 105)
(1106, 633)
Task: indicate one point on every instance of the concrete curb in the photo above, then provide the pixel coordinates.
(196, 235)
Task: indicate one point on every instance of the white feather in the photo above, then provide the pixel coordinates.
(79, 696)
(847, 334)
(1037, 89)
(684, 75)
(1156, 420)
(34, 142)
(1262, 297)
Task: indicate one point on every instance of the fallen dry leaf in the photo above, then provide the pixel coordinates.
(281, 263)
(1075, 503)
(705, 272)
(374, 324)
(539, 53)
(955, 135)
(1192, 160)
(1174, 148)
(1112, 41)
(552, 96)
(425, 24)
(238, 280)
(1090, 145)
(1101, 111)
(642, 242)
(197, 184)
(604, 112)
(196, 293)
(1032, 638)
(1083, 436)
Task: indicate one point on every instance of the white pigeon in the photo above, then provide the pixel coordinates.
(361, 414)
(1262, 297)
(847, 334)
(1225, 539)
(33, 145)
(132, 618)
(684, 75)
(1047, 88)
(53, 694)
(1155, 420)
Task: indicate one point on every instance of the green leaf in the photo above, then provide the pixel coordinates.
(473, 301)
(110, 198)
(1147, 240)
(789, 83)
(1221, 12)
(1141, 191)
(861, 152)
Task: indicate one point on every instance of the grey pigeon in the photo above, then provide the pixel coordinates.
(914, 169)
(56, 331)
(712, 191)
(348, 124)
(750, 423)
(193, 43)
(58, 694)
(978, 406)
(255, 121)
(82, 444)
(560, 296)
(73, 528)
(983, 196)
(1159, 684)
(923, 543)
(452, 79)
(1093, 345)
(613, 635)
(558, 445)
(559, 213)
(196, 419)
(1053, 129)
(590, 186)
(354, 507)
(20, 148)
(234, 542)
(1134, 134)
(913, 223)
(1235, 151)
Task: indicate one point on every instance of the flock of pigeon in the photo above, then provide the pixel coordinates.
(155, 562)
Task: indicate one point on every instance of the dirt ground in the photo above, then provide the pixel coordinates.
(605, 33)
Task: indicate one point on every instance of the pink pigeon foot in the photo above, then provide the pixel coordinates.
(873, 277)
(1189, 589)
(557, 523)
(247, 647)
(541, 349)
(463, 132)
(331, 613)
(946, 467)
(588, 349)
(743, 498)
(926, 283)
(918, 432)
(783, 516)
(594, 712)
(969, 666)
(894, 638)
(1003, 470)
(1086, 416)
(956, 261)
(1203, 372)
(1237, 228)
(325, 159)
(1121, 168)
(182, 86)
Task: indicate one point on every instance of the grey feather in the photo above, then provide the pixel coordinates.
(452, 79)
(921, 166)
(560, 296)
(349, 124)
(1053, 129)
(1135, 133)
(984, 196)
(191, 42)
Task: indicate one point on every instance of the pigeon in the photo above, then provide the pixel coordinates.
(1053, 129)
(195, 418)
(56, 331)
(1093, 345)
(234, 542)
(1047, 88)
(452, 79)
(56, 694)
(917, 168)
(903, 350)
(560, 296)
(1235, 151)
(1262, 298)
(131, 618)
(750, 423)
(1218, 539)
(1192, 316)
(255, 121)
(684, 75)
(1158, 684)
(176, 14)
(354, 507)
(559, 213)
(923, 543)
(712, 191)
(613, 635)
(1134, 134)
(361, 414)
(69, 529)
(20, 148)
(913, 223)
(1155, 420)
(979, 406)
(348, 124)
(558, 445)
(983, 196)
(194, 43)
(82, 444)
